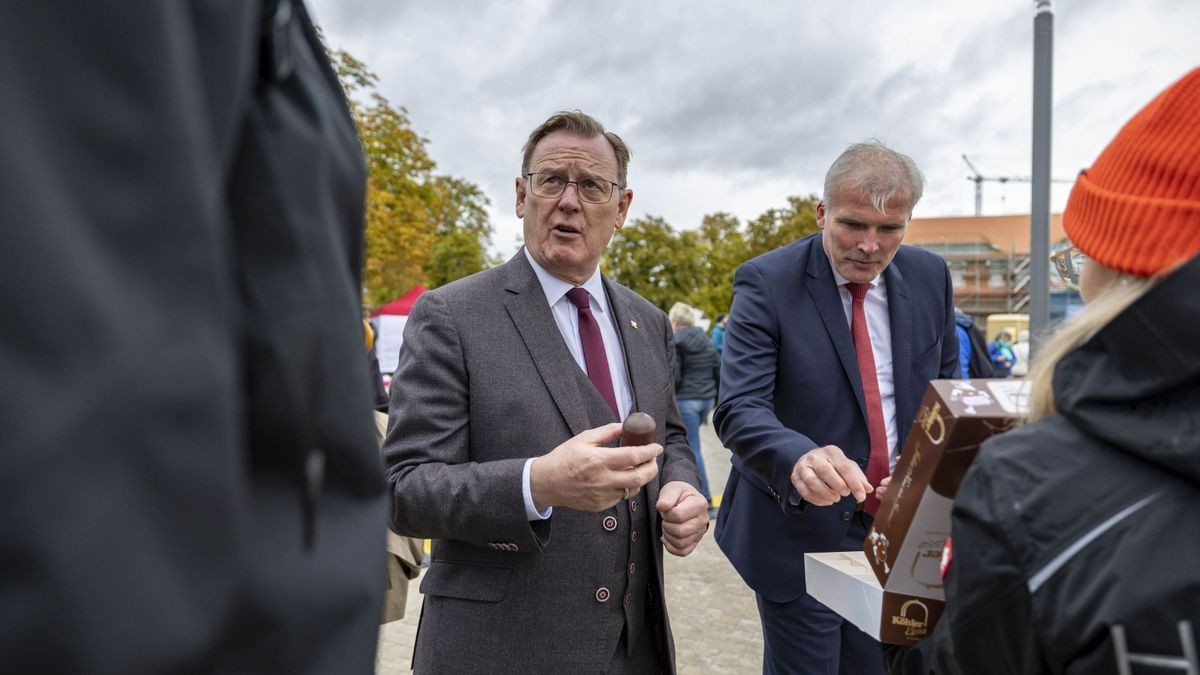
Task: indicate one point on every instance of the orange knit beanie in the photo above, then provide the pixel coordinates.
(1137, 210)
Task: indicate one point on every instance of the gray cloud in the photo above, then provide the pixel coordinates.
(720, 102)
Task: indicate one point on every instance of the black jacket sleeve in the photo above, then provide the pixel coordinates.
(986, 627)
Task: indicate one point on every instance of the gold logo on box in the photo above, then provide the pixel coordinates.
(916, 625)
(932, 423)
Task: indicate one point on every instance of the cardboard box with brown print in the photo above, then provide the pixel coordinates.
(904, 599)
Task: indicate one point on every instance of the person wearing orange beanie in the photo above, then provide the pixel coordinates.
(1075, 535)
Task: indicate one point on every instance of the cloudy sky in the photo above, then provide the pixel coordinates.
(734, 106)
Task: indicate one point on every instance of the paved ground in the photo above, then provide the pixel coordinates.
(712, 611)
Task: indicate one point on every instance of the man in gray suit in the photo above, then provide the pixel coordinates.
(505, 406)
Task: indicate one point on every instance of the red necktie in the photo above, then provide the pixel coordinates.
(594, 356)
(877, 465)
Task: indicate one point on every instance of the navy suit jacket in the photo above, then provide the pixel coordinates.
(790, 383)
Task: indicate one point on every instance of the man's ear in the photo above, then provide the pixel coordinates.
(623, 207)
(520, 198)
(821, 211)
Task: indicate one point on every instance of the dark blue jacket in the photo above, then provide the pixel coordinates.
(790, 384)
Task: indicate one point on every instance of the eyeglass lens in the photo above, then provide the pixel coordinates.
(550, 185)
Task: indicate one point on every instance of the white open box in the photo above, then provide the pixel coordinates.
(844, 582)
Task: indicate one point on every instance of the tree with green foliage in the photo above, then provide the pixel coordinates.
(648, 256)
(697, 266)
(779, 227)
(722, 249)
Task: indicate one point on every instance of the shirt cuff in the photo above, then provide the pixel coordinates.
(531, 512)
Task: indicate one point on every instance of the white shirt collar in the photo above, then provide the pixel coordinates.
(556, 288)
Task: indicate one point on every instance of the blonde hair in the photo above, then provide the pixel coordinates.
(1121, 292)
(682, 314)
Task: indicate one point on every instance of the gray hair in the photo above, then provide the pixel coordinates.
(584, 126)
(682, 315)
(877, 172)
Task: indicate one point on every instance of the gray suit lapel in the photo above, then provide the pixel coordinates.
(900, 315)
(635, 343)
(525, 302)
(638, 346)
(824, 293)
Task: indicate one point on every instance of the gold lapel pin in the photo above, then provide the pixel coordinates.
(633, 323)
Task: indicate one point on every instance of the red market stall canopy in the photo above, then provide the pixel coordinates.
(402, 305)
(389, 320)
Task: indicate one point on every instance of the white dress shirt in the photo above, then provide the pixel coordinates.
(566, 317)
(879, 325)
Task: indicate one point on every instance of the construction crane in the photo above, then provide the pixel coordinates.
(979, 178)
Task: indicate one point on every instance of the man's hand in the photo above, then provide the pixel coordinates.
(882, 488)
(824, 475)
(684, 516)
(585, 475)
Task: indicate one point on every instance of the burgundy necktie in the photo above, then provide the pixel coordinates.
(594, 356)
(877, 465)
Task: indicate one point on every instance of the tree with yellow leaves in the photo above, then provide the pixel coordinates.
(422, 228)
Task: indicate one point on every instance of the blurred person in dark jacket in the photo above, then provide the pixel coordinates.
(1074, 537)
(718, 333)
(190, 480)
(973, 357)
(697, 367)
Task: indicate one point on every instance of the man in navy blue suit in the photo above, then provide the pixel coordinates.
(830, 345)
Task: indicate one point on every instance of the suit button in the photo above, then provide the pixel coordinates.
(846, 516)
(628, 598)
(633, 537)
(610, 523)
(632, 569)
(602, 594)
(633, 505)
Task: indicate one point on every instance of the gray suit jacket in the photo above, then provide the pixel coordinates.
(485, 381)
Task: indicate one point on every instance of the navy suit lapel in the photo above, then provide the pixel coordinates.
(900, 315)
(824, 293)
(525, 302)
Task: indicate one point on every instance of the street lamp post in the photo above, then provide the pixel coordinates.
(1039, 220)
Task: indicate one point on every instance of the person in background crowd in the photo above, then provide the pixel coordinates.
(1002, 354)
(1020, 350)
(697, 367)
(973, 357)
(404, 553)
(832, 342)
(379, 391)
(191, 482)
(511, 386)
(718, 333)
(1074, 547)
(718, 342)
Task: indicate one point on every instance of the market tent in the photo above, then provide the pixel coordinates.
(389, 320)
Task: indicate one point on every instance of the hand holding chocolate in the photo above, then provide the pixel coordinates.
(638, 429)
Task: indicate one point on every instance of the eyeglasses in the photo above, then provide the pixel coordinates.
(552, 185)
(1068, 262)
